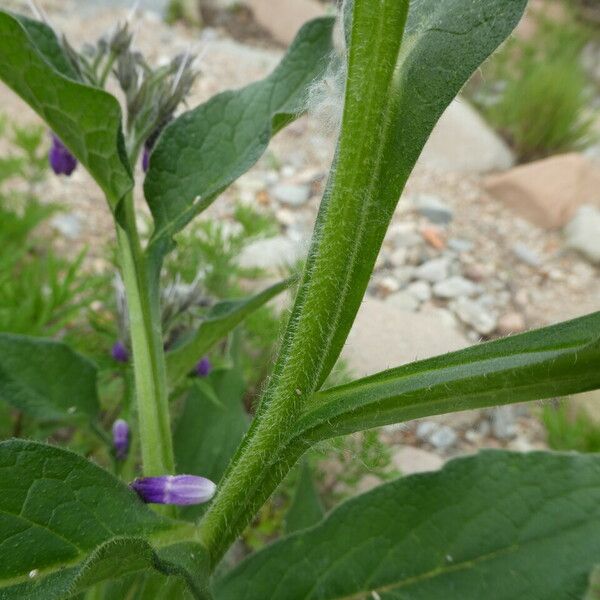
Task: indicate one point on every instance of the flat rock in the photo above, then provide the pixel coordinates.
(384, 336)
(548, 192)
(409, 460)
(421, 290)
(454, 287)
(271, 253)
(462, 142)
(511, 322)
(284, 18)
(475, 314)
(290, 194)
(404, 301)
(527, 255)
(434, 270)
(434, 209)
(583, 232)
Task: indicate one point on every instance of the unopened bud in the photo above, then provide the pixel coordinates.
(181, 490)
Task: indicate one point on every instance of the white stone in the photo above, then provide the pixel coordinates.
(434, 270)
(459, 245)
(454, 287)
(67, 224)
(443, 438)
(525, 254)
(421, 290)
(403, 235)
(434, 209)
(398, 257)
(403, 301)
(387, 285)
(291, 194)
(271, 253)
(474, 314)
(503, 422)
(440, 436)
(462, 142)
(425, 430)
(404, 274)
(409, 460)
(583, 232)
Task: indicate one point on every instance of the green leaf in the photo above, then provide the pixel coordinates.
(146, 586)
(210, 427)
(306, 509)
(66, 524)
(46, 379)
(496, 526)
(47, 45)
(87, 119)
(220, 320)
(206, 149)
(554, 361)
(443, 44)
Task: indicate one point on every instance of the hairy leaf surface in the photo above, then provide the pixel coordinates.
(46, 379)
(498, 525)
(554, 361)
(207, 148)
(66, 524)
(306, 509)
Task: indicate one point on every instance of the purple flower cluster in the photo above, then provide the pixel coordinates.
(119, 352)
(146, 158)
(60, 159)
(181, 490)
(120, 433)
(203, 367)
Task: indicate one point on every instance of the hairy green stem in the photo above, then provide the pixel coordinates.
(310, 344)
(147, 349)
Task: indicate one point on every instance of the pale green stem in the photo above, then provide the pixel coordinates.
(147, 350)
(268, 453)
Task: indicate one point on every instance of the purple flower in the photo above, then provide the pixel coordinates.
(119, 352)
(145, 159)
(203, 367)
(174, 489)
(120, 433)
(60, 159)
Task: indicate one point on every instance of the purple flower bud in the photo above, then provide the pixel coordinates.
(60, 159)
(145, 159)
(119, 352)
(120, 433)
(203, 367)
(174, 489)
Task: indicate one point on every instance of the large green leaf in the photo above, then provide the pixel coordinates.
(220, 320)
(46, 379)
(66, 524)
(87, 119)
(306, 509)
(554, 361)
(47, 45)
(146, 586)
(210, 427)
(207, 148)
(498, 526)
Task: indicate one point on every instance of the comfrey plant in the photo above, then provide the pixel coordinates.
(495, 525)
